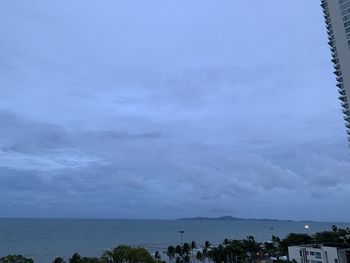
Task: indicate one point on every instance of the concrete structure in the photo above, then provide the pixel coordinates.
(326, 253)
(337, 16)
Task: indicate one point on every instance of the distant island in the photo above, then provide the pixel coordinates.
(232, 218)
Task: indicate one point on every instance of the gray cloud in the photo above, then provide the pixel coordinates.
(198, 109)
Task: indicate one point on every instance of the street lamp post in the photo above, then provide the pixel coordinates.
(271, 228)
(182, 233)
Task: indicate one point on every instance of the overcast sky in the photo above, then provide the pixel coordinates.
(166, 109)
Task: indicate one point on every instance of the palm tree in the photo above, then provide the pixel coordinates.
(179, 253)
(217, 254)
(206, 250)
(252, 247)
(186, 248)
(170, 253)
(193, 247)
(234, 250)
(157, 257)
(200, 256)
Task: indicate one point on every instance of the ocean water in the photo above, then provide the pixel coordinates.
(45, 239)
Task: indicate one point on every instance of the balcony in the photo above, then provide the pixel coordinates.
(343, 98)
(337, 73)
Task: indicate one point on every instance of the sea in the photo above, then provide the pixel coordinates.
(45, 239)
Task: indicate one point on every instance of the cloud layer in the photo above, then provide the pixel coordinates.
(169, 110)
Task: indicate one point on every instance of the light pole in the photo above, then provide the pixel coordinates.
(182, 233)
(271, 228)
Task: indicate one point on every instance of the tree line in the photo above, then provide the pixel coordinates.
(247, 250)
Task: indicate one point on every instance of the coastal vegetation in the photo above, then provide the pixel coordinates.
(15, 259)
(247, 250)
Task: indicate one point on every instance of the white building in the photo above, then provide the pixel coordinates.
(319, 253)
(337, 16)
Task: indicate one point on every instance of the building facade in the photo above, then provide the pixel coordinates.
(337, 17)
(319, 254)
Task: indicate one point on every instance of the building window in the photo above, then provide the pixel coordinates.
(346, 5)
(312, 253)
(318, 255)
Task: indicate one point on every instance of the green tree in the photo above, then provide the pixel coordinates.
(186, 248)
(235, 250)
(342, 232)
(251, 247)
(334, 228)
(200, 256)
(270, 248)
(157, 257)
(58, 260)
(127, 254)
(170, 253)
(293, 240)
(15, 259)
(193, 247)
(90, 260)
(217, 254)
(328, 237)
(179, 253)
(76, 258)
(206, 249)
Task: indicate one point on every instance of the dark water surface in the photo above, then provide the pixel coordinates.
(45, 239)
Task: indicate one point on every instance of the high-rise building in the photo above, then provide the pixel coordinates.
(337, 16)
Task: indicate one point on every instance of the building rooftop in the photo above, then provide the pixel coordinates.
(337, 245)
